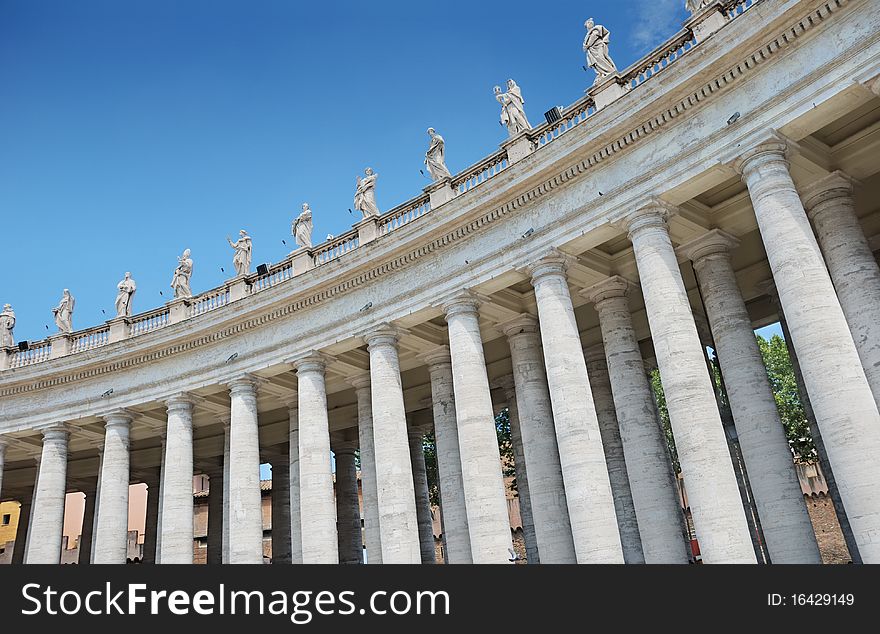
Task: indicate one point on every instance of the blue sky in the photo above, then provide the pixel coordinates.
(132, 130)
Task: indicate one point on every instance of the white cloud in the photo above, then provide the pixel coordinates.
(655, 21)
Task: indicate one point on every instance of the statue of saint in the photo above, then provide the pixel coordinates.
(596, 48)
(63, 313)
(513, 113)
(243, 250)
(435, 159)
(695, 6)
(7, 323)
(126, 287)
(182, 274)
(302, 228)
(365, 195)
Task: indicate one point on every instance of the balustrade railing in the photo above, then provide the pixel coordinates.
(659, 58)
(480, 172)
(92, 338)
(738, 7)
(404, 214)
(147, 322)
(212, 300)
(36, 353)
(277, 273)
(576, 113)
(337, 247)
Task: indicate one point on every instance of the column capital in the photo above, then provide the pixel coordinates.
(437, 357)
(614, 286)
(650, 213)
(595, 353)
(179, 402)
(246, 384)
(837, 184)
(384, 334)
(359, 381)
(714, 242)
(343, 446)
(117, 418)
(552, 263)
(768, 287)
(54, 431)
(773, 147)
(522, 323)
(290, 400)
(464, 301)
(312, 361)
(507, 385)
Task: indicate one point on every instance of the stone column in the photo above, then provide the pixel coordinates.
(587, 487)
(788, 532)
(296, 544)
(86, 533)
(422, 496)
(215, 515)
(452, 501)
(398, 526)
(246, 515)
(369, 488)
(719, 519)
(281, 511)
(485, 500)
(151, 525)
(227, 508)
(176, 521)
(111, 521)
(2, 462)
(651, 480)
(47, 515)
(522, 476)
(851, 264)
(627, 524)
(21, 531)
(839, 392)
(348, 515)
(549, 508)
(316, 504)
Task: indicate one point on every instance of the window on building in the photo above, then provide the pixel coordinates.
(6, 519)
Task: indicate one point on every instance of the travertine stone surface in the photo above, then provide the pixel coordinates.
(651, 480)
(23, 530)
(713, 493)
(47, 514)
(851, 264)
(245, 514)
(316, 504)
(296, 527)
(348, 515)
(398, 524)
(839, 392)
(541, 456)
(587, 487)
(281, 511)
(786, 524)
(176, 519)
(87, 532)
(215, 516)
(452, 500)
(369, 487)
(488, 522)
(151, 523)
(423, 500)
(627, 524)
(111, 522)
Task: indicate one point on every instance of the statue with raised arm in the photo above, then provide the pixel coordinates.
(243, 251)
(596, 48)
(182, 275)
(365, 195)
(695, 6)
(302, 228)
(7, 323)
(63, 313)
(126, 287)
(513, 113)
(435, 157)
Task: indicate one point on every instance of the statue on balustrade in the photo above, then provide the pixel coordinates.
(435, 157)
(126, 287)
(243, 252)
(695, 6)
(63, 313)
(7, 323)
(182, 275)
(513, 113)
(302, 228)
(596, 48)
(365, 195)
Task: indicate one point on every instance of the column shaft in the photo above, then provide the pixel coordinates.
(21, 531)
(281, 511)
(47, 514)
(176, 527)
(348, 515)
(245, 504)
(522, 483)
(369, 487)
(296, 527)
(422, 497)
(151, 527)
(215, 516)
(111, 522)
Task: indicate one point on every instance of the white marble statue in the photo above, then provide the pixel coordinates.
(596, 48)
(7, 323)
(63, 313)
(182, 275)
(513, 113)
(695, 6)
(243, 253)
(126, 287)
(435, 157)
(365, 195)
(302, 228)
